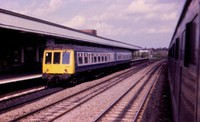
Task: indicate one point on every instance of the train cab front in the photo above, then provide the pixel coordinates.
(57, 65)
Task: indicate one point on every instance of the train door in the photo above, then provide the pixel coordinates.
(198, 86)
(176, 76)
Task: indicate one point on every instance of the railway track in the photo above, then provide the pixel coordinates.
(71, 102)
(20, 97)
(127, 107)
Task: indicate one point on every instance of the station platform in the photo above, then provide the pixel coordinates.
(24, 75)
(9, 78)
(139, 59)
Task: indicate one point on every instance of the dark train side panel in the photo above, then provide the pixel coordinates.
(184, 65)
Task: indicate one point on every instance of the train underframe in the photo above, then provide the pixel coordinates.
(55, 79)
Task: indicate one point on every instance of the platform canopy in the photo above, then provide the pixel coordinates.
(16, 21)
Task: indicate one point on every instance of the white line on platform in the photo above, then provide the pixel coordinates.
(22, 93)
(20, 78)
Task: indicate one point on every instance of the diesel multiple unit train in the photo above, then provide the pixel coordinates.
(61, 61)
(184, 64)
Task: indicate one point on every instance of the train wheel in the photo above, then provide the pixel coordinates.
(73, 81)
(50, 83)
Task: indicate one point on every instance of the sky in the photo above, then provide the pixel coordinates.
(145, 23)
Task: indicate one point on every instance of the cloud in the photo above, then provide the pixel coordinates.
(159, 30)
(108, 30)
(37, 9)
(138, 6)
(47, 8)
(144, 6)
(149, 9)
(169, 16)
(76, 22)
(120, 20)
(104, 28)
(91, 1)
(54, 4)
(104, 17)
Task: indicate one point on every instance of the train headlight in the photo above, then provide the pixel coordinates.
(65, 70)
(47, 70)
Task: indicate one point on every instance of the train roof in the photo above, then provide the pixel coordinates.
(83, 48)
(16, 21)
(184, 11)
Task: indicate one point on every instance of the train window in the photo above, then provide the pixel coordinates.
(177, 49)
(92, 57)
(109, 57)
(80, 59)
(173, 51)
(86, 58)
(118, 56)
(89, 57)
(106, 58)
(56, 59)
(16, 56)
(102, 58)
(66, 57)
(182, 45)
(48, 56)
(99, 58)
(190, 52)
(95, 58)
(130, 56)
(112, 57)
(170, 52)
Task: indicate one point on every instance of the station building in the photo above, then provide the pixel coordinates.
(23, 39)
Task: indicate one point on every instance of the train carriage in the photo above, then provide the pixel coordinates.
(62, 61)
(184, 65)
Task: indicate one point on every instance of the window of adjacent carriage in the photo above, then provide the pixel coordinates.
(66, 58)
(48, 56)
(56, 58)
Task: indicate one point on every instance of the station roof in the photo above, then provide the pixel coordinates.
(16, 21)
